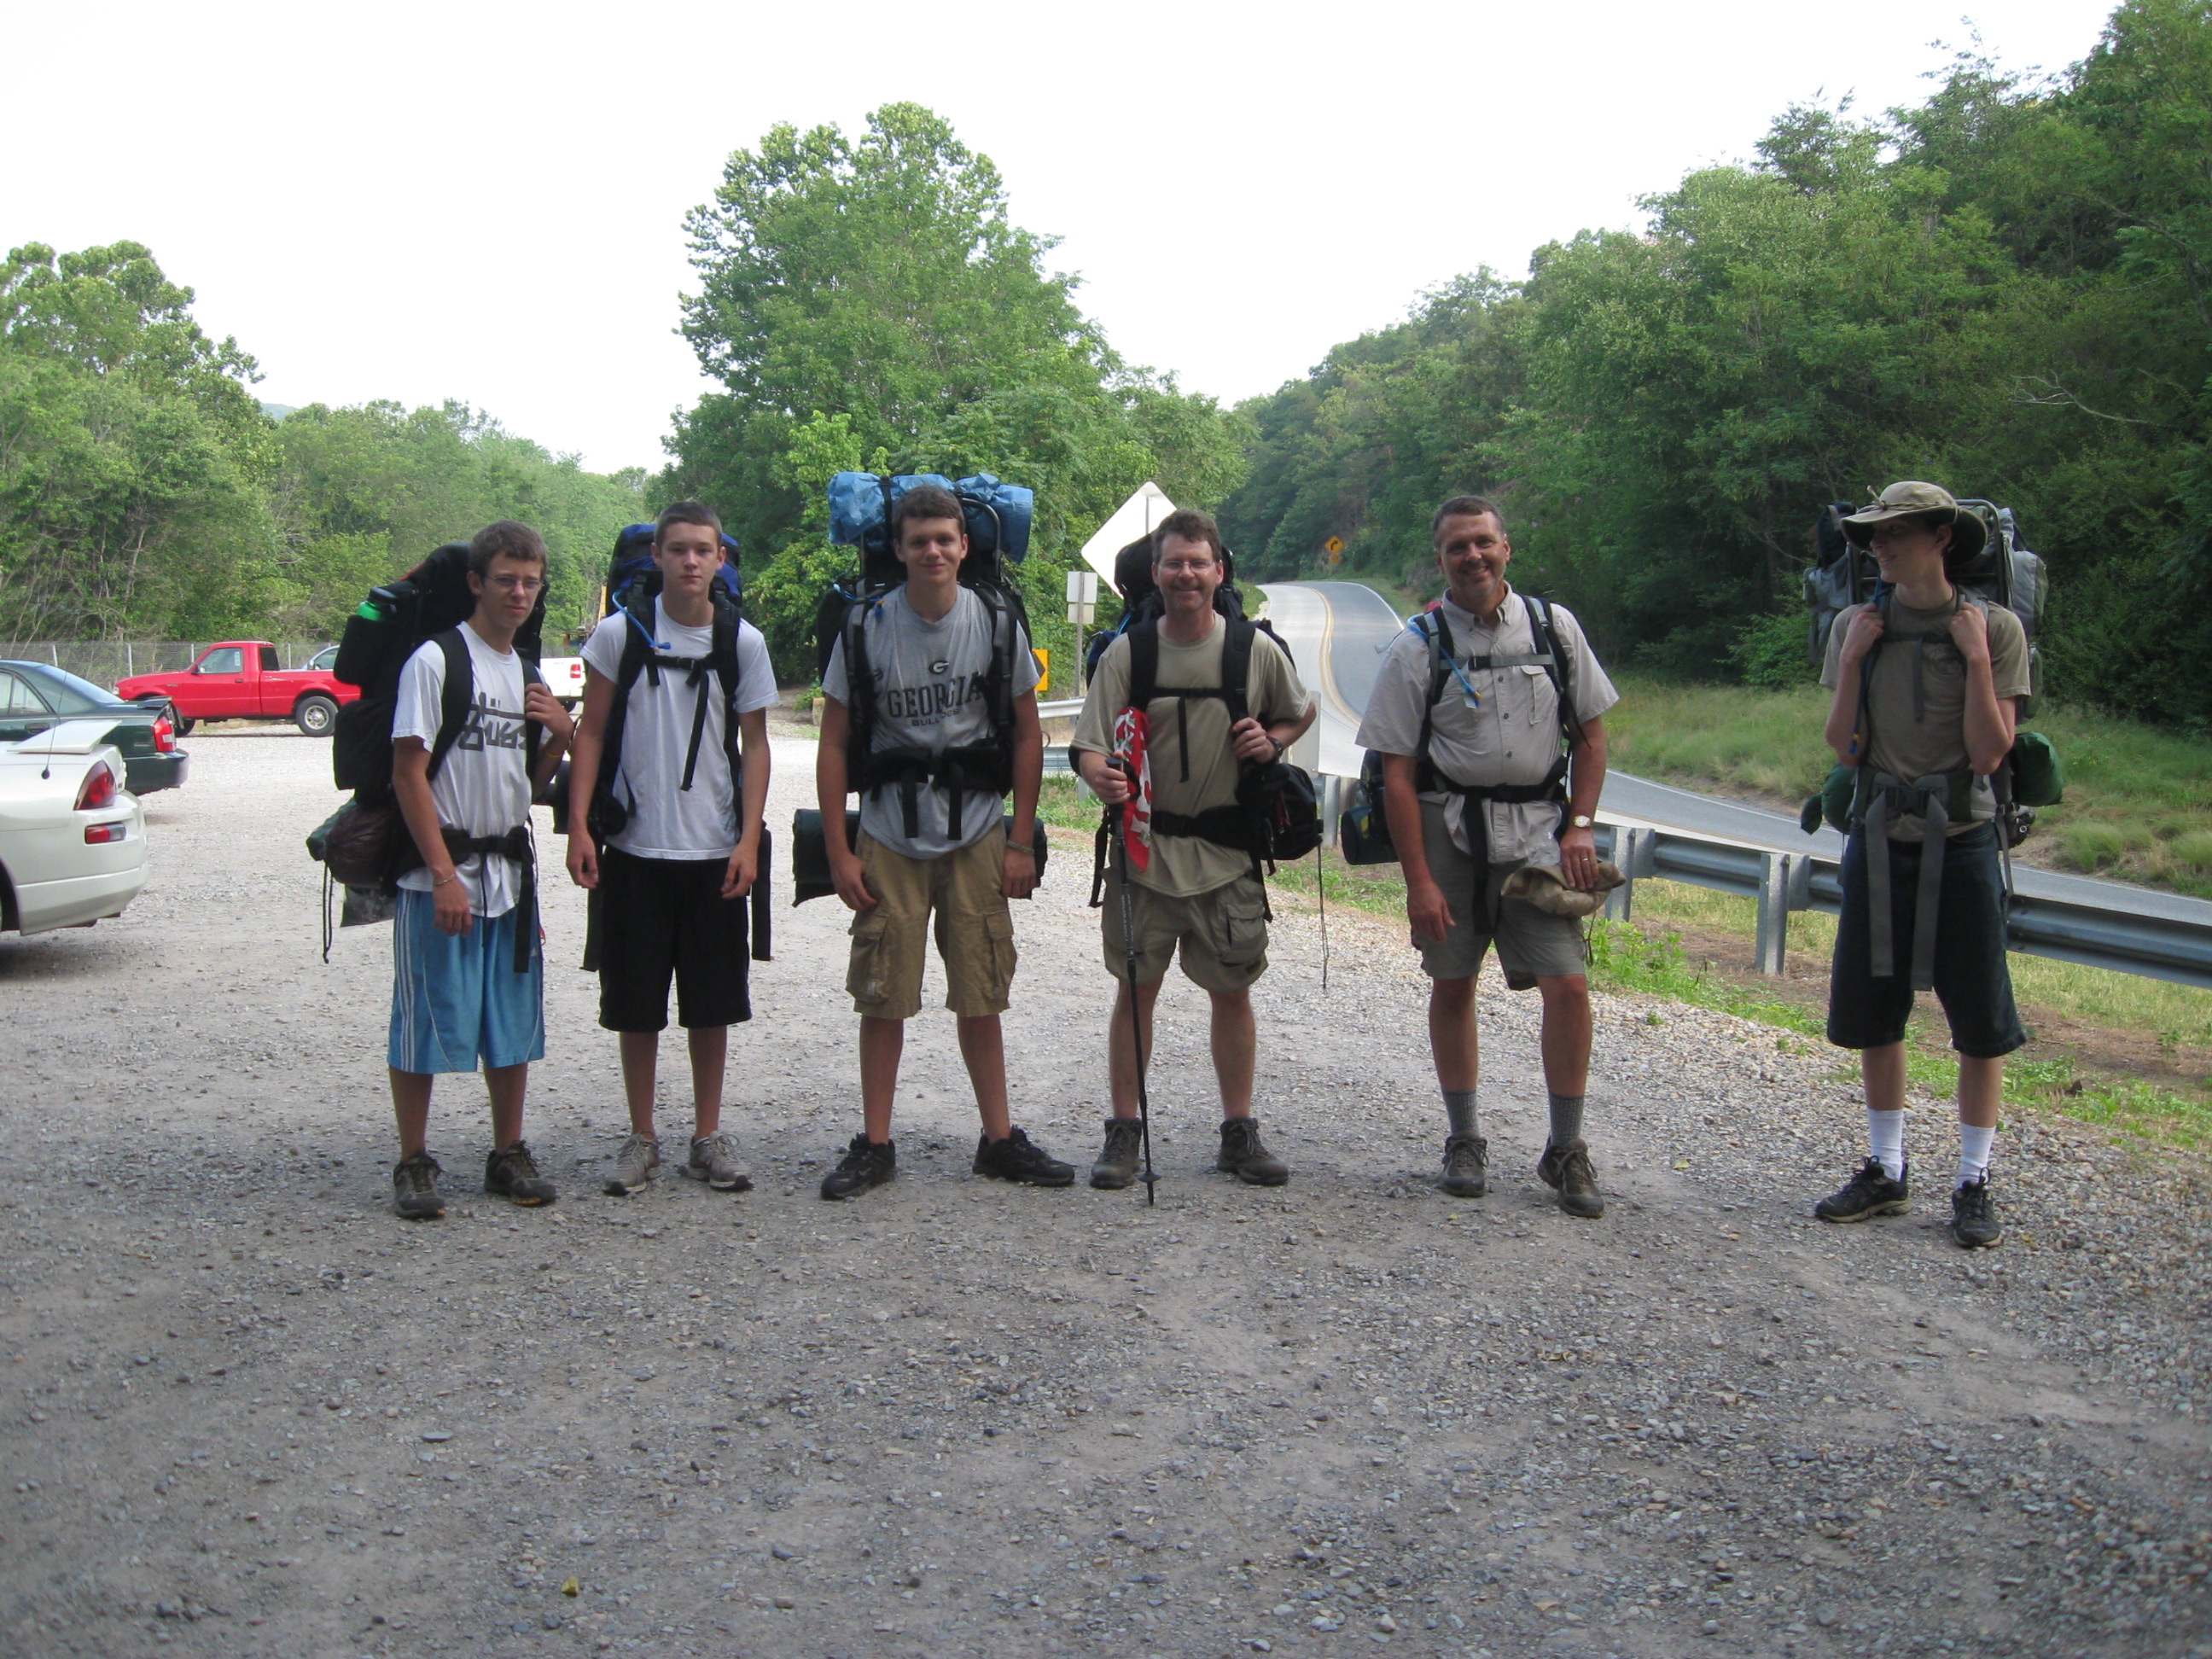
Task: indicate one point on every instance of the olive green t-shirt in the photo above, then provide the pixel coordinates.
(1917, 734)
(1184, 866)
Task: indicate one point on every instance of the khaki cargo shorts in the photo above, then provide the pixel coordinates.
(1222, 933)
(974, 933)
(1531, 943)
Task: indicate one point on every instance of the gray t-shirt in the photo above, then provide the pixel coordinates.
(1496, 725)
(929, 681)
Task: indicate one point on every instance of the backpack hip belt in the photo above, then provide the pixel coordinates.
(977, 768)
(519, 847)
(1882, 799)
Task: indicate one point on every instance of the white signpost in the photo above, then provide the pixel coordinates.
(1082, 610)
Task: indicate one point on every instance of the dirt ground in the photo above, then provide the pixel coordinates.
(253, 1413)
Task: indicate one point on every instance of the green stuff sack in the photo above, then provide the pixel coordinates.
(1833, 804)
(2037, 778)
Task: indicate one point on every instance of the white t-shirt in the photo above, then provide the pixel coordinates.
(665, 821)
(929, 695)
(483, 787)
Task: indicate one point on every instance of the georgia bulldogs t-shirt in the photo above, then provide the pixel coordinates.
(484, 787)
(929, 685)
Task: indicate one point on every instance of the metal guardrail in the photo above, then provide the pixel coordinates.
(2095, 936)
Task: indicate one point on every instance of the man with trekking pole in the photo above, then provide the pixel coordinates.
(1178, 709)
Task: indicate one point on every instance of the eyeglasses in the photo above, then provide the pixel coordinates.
(518, 584)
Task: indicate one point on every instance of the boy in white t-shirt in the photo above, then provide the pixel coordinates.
(468, 988)
(669, 834)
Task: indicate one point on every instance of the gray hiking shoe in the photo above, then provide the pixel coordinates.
(1567, 1171)
(513, 1174)
(714, 1160)
(1246, 1157)
(633, 1166)
(1117, 1161)
(415, 1192)
(1466, 1165)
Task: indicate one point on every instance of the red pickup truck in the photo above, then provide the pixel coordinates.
(240, 680)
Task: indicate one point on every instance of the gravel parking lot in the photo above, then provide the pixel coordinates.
(253, 1414)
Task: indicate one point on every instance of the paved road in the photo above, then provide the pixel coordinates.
(1339, 631)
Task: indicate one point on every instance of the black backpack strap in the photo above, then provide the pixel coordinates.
(455, 697)
(1236, 667)
(1431, 626)
(1546, 637)
(1144, 664)
(723, 654)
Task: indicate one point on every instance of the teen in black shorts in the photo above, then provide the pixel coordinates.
(671, 881)
(1927, 683)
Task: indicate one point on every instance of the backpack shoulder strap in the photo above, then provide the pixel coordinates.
(1236, 667)
(1144, 664)
(1546, 637)
(999, 677)
(455, 697)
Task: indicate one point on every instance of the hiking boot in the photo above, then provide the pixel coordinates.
(633, 1166)
(1974, 1221)
(1869, 1193)
(513, 1174)
(714, 1160)
(415, 1192)
(1467, 1163)
(1117, 1161)
(864, 1165)
(1244, 1156)
(1567, 1171)
(1017, 1158)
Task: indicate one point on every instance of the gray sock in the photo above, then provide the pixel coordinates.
(1566, 1119)
(1459, 1106)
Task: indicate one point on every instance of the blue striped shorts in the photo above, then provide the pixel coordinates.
(458, 1004)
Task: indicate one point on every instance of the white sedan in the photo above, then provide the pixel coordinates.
(72, 841)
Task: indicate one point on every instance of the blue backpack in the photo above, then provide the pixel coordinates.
(632, 574)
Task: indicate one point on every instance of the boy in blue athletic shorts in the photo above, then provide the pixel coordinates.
(468, 988)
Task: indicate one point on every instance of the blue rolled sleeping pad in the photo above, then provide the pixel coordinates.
(998, 515)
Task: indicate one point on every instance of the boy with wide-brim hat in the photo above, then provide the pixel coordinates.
(1927, 681)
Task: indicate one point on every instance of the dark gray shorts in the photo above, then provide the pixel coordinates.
(1531, 943)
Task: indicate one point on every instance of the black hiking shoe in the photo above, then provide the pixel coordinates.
(1566, 1170)
(1466, 1164)
(415, 1192)
(1019, 1158)
(1869, 1193)
(864, 1165)
(1244, 1156)
(1117, 1162)
(1974, 1221)
(513, 1174)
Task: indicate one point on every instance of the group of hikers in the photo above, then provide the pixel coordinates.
(1488, 713)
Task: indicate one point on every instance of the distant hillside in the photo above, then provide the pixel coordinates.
(278, 411)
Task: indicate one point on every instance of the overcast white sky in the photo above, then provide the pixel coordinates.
(484, 201)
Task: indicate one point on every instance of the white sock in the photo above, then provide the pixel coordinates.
(1974, 1152)
(1886, 1141)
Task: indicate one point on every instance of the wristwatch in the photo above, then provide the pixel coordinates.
(1580, 821)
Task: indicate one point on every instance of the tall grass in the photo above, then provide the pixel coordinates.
(2138, 801)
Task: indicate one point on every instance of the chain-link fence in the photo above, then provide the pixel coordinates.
(106, 661)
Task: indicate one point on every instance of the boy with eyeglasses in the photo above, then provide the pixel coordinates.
(469, 980)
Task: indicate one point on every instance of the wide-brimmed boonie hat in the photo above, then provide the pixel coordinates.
(1903, 501)
(1545, 886)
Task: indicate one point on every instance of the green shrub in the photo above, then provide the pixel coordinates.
(1774, 652)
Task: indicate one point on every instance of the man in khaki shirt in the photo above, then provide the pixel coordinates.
(1191, 894)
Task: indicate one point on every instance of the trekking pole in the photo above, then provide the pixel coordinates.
(1120, 817)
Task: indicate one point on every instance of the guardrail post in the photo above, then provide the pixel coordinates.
(1634, 852)
(1785, 883)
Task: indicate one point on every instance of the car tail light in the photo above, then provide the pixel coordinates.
(99, 835)
(99, 790)
(165, 735)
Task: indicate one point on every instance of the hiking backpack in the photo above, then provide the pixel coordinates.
(430, 602)
(1364, 834)
(633, 581)
(1141, 601)
(2004, 573)
(1276, 816)
(998, 517)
